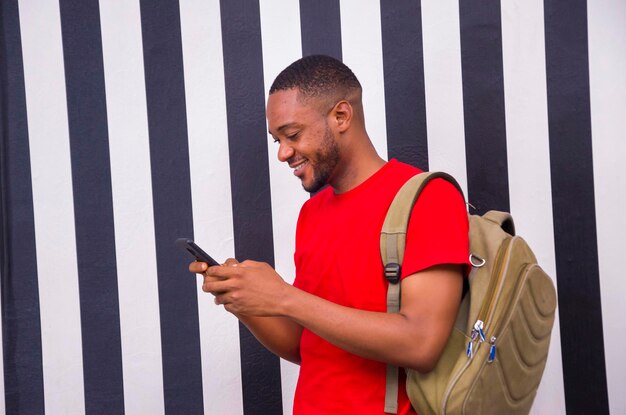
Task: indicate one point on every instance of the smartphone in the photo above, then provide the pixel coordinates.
(195, 251)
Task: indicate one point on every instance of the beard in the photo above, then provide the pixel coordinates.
(327, 158)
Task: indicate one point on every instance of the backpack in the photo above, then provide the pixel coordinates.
(495, 356)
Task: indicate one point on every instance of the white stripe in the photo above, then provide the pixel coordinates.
(607, 72)
(444, 89)
(361, 41)
(280, 32)
(53, 206)
(211, 197)
(132, 207)
(529, 160)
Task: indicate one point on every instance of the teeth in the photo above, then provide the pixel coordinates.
(301, 166)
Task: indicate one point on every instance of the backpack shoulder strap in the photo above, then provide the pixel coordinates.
(393, 233)
(392, 244)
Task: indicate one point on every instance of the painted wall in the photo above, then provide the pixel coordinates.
(127, 124)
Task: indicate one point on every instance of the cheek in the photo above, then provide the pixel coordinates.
(314, 145)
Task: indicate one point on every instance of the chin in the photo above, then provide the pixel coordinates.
(310, 187)
(314, 187)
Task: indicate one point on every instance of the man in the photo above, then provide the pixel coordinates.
(333, 320)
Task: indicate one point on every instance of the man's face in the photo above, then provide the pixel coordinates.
(306, 141)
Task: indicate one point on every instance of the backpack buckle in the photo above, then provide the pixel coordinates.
(392, 272)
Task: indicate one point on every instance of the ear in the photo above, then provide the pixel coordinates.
(342, 115)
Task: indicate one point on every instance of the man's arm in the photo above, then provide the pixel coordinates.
(413, 338)
(278, 334)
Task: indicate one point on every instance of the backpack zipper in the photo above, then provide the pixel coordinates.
(486, 311)
(496, 329)
(492, 350)
(492, 341)
(478, 329)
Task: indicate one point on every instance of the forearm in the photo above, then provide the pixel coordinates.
(385, 337)
(278, 334)
(413, 338)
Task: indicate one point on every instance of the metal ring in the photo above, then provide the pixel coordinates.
(476, 261)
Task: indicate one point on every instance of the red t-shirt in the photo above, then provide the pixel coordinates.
(338, 258)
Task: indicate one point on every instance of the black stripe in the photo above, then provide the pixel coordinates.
(573, 204)
(93, 206)
(320, 29)
(21, 336)
(250, 183)
(320, 26)
(483, 102)
(171, 190)
(403, 63)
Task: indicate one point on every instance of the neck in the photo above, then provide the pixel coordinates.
(357, 167)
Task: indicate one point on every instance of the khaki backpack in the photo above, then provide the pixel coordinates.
(496, 354)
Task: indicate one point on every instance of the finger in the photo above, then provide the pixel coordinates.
(208, 279)
(249, 263)
(198, 267)
(222, 271)
(221, 299)
(215, 286)
(230, 262)
(209, 288)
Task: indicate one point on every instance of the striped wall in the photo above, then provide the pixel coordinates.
(127, 124)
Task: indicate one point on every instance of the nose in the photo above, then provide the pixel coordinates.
(285, 152)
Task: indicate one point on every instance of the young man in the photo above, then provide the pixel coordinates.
(333, 320)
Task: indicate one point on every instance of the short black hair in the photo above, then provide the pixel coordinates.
(317, 75)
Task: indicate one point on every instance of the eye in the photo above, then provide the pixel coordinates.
(293, 136)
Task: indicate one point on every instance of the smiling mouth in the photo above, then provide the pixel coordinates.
(300, 166)
(297, 167)
(297, 162)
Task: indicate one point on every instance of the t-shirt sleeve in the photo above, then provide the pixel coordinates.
(438, 230)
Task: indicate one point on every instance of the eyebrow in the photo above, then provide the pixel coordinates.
(284, 127)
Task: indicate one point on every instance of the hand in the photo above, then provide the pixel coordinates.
(199, 267)
(246, 288)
